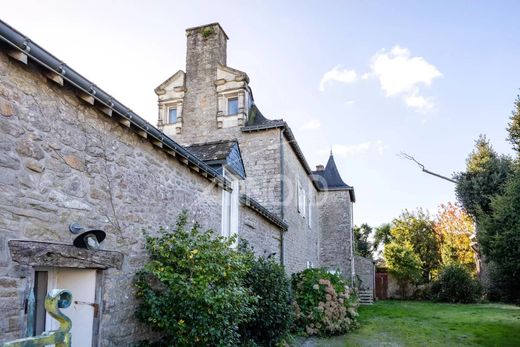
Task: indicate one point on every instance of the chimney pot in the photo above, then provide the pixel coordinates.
(320, 168)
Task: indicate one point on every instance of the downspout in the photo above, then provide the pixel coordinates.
(352, 264)
(281, 195)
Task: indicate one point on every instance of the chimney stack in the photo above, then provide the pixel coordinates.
(206, 48)
(320, 168)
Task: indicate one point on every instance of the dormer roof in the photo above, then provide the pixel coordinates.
(219, 154)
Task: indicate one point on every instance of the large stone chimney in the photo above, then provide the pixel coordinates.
(206, 49)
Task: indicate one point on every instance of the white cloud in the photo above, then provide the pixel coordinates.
(359, 148)
(350, 102)
(338, 74)
(400, 74)
(313, 124)
(418, 102)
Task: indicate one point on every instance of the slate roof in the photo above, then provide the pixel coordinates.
(257, 121)
(26, 51)
(219, 153)
(257, 207)
(330, 179)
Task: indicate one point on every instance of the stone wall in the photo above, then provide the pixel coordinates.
(365, 272)
(336, 231)
(301, 240)
(261, 234)
(62, 161)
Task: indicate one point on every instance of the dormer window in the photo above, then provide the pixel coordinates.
(172, 115)
(232, 105)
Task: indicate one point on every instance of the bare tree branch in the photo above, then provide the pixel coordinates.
(409, 157)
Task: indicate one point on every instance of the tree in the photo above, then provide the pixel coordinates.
(454, 228)
(362, 244)
(416, 228)
(403, 263)
(382, 235)
(513, 127)
(499, 235)
(485, 175)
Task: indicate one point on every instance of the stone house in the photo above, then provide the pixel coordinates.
(74, 159)
(211, 103)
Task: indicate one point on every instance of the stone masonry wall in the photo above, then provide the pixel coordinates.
(365, 272)
(336, 231)
(301, 241)
(62, 161)
(262, 235)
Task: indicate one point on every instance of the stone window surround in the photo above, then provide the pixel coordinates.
(222, 105)
(164, 108)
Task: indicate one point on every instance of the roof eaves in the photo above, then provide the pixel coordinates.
(257, 207)
(107, 104)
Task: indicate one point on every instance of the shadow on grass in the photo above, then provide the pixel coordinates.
(413, 323)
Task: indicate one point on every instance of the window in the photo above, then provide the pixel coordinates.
(230, 201)
(301, 199)
(309, 219)
(172, 115)
(232, 105)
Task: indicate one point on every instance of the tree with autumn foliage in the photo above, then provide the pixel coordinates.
(454, 228)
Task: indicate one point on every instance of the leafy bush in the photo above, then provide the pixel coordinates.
(455, 284)
(403, 264)
(324, 304)
(192, 288)
(273, 312)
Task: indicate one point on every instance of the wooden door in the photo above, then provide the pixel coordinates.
(382, 285)
(82, 284)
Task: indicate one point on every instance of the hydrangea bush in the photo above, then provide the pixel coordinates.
(324, 304)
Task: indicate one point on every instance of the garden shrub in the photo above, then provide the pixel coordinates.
(192, 290)
(455, 284)
(273, 313)
(324, 304)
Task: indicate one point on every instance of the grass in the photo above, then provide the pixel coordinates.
(412, 323)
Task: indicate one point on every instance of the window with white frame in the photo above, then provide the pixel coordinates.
(301, 198)
(172, 114)
(232, 105)
(230, 201)
(309, 215)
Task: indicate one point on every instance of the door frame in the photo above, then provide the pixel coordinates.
(98, 295)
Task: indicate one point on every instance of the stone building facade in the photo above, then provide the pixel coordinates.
(210, 102)
(70, 153)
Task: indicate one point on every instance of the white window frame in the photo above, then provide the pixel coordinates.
(301, 199)
(309, 219)
(230, 201)
(232, 96)
(168, 113)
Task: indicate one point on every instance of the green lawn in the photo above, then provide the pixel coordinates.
(409, 323)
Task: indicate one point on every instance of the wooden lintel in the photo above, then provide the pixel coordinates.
(86, 97)
(55, 77)
(18, 55)
(142, 133)
(106, 110)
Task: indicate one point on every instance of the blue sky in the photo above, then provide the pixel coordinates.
(368, 78)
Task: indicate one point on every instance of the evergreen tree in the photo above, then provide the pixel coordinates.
(514, 126)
